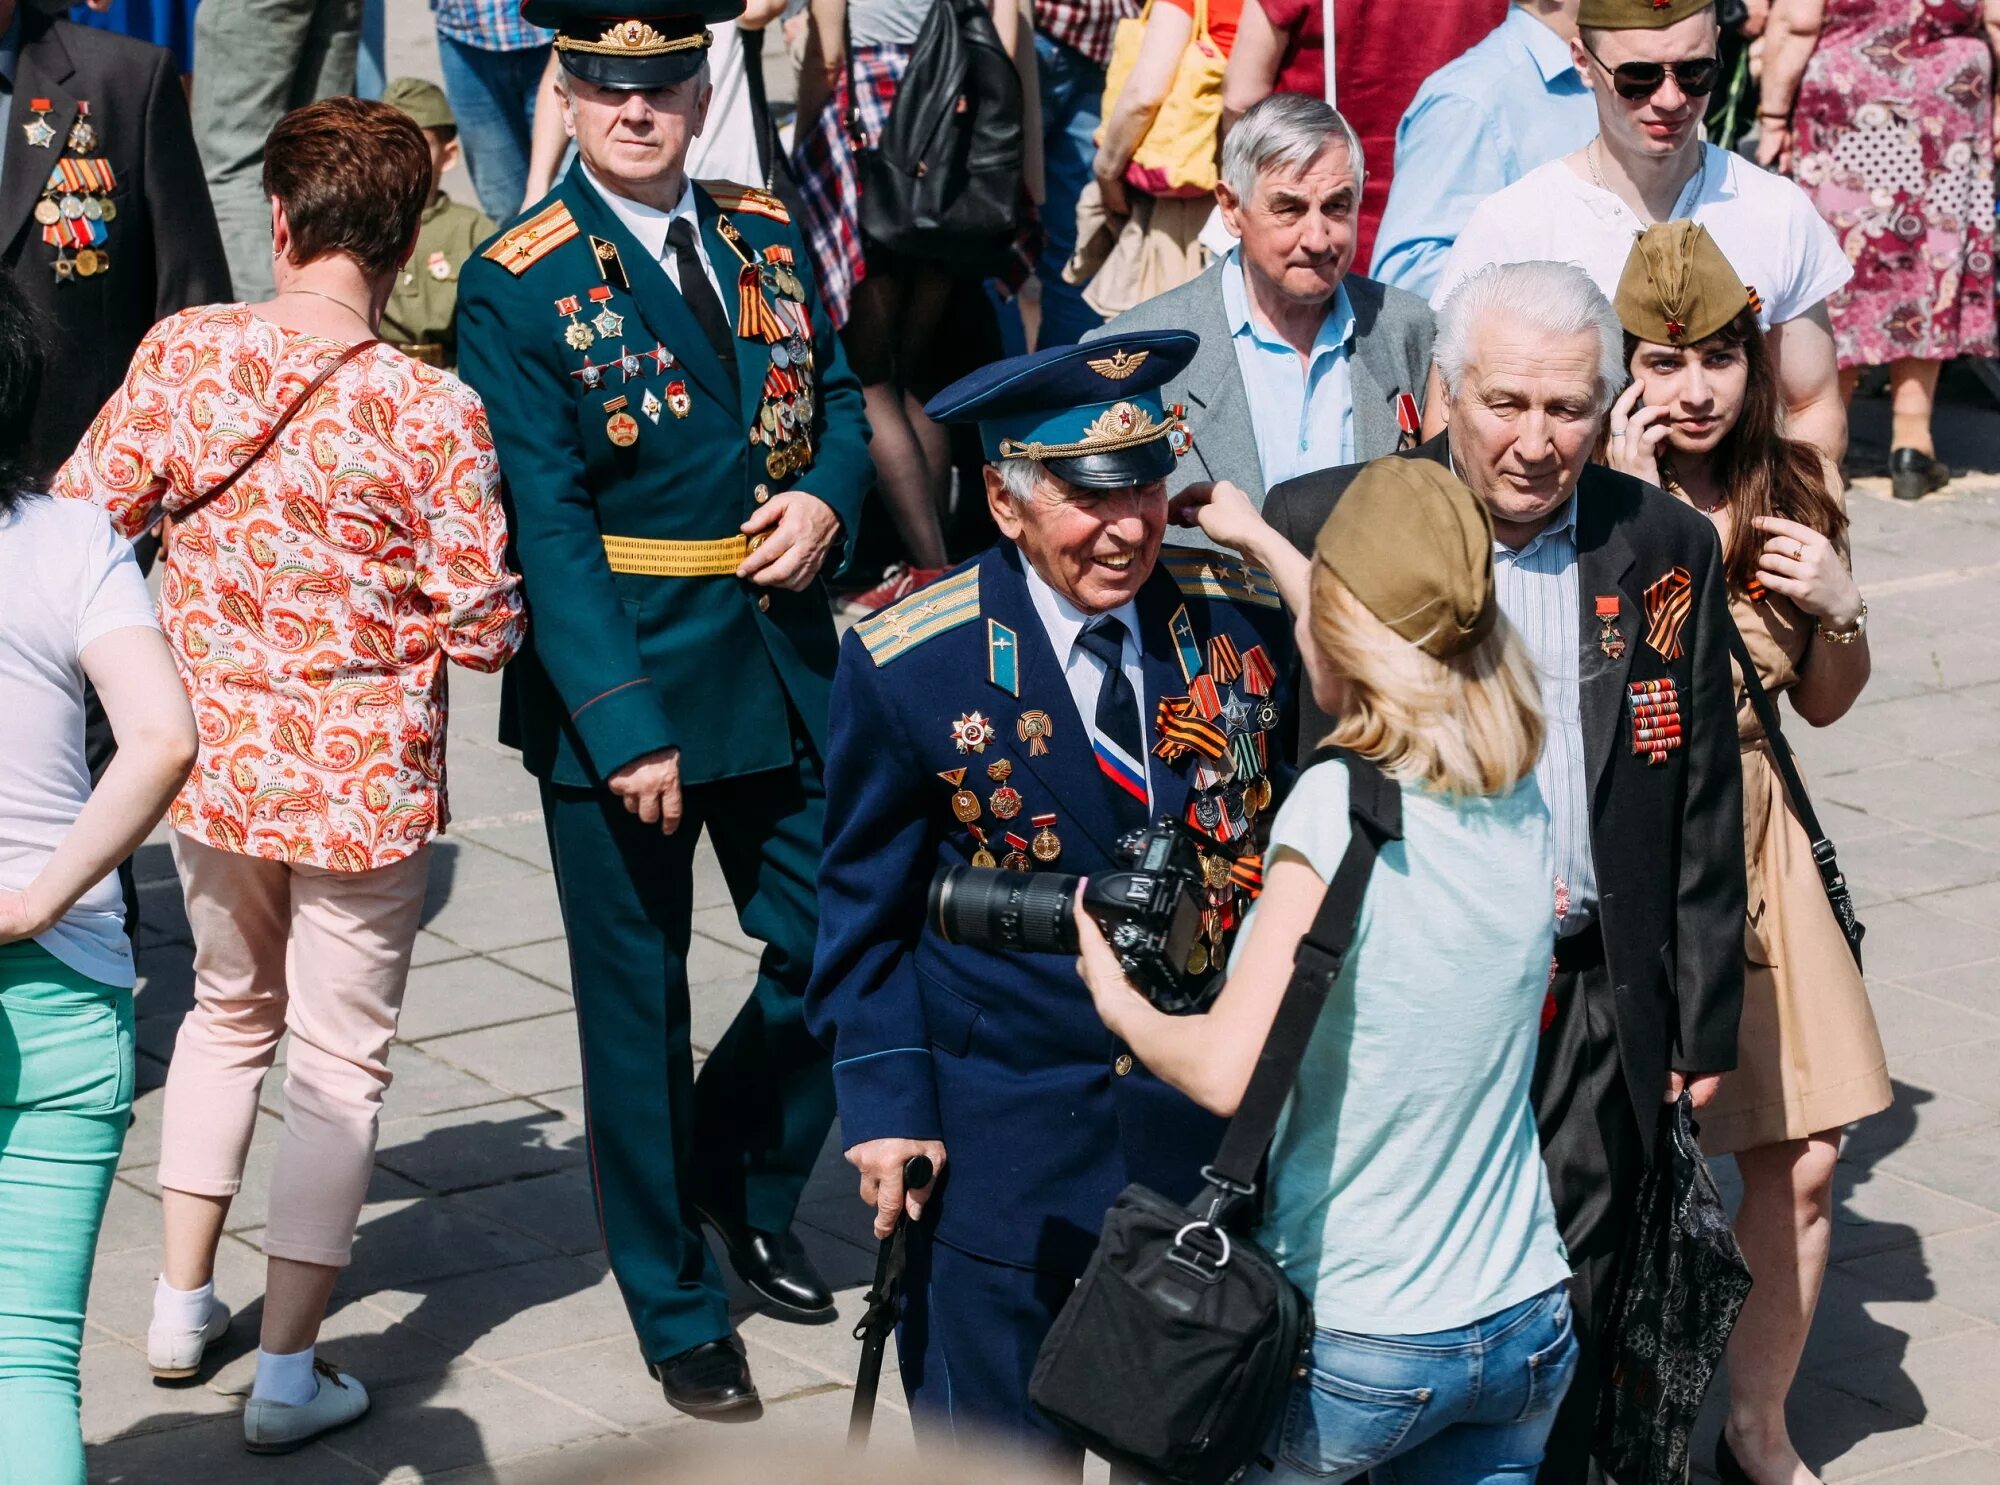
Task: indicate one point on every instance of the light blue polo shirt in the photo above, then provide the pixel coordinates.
(1302, 412)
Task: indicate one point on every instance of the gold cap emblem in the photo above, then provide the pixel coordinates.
(633, 39)
(1119, 364)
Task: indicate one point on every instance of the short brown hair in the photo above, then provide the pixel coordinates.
(354, 177)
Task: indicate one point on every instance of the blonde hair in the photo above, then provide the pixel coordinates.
(1469, 725)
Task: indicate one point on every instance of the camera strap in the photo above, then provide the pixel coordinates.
(1375, 815)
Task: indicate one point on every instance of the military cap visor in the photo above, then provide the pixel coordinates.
(638, 45)
(1091, 414)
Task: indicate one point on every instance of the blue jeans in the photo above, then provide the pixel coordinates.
(1454, 1407)
(65, 1092)
(1072, 93)
(493, 98)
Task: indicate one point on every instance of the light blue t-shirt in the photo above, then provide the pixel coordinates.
(1408, 1193)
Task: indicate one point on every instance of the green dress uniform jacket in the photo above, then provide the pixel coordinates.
(422, 309)
(620, 664)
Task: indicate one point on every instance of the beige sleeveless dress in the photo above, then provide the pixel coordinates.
(1808, 1055)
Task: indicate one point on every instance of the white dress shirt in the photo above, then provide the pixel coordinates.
(649, 225)
(1062, 622)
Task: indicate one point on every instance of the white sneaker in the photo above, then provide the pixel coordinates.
(278, 1428)
(174, 1354)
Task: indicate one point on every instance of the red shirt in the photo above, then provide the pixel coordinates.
(1382, 57)
(1222, 18)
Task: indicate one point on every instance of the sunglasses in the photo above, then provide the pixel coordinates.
(1637, 81)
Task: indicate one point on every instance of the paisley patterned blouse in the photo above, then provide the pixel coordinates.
(311, 607)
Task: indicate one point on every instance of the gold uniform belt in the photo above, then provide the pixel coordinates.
(648, 557)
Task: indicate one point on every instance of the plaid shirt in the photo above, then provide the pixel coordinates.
(490, 25)
(1083, 24)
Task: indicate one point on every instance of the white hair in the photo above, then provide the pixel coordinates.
(1286, 131)
(1021, 476)
(1558, 299)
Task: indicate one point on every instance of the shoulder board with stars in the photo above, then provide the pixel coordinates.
(1212, 576)
(925, 614)
(734, 198)
(522, 247)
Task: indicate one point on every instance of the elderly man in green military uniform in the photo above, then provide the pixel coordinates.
(419, 318)
(685, 452)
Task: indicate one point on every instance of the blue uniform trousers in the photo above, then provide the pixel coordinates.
(741, 1139)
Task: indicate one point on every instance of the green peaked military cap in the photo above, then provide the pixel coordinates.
(1637, 15)
(424, 102)
(1677, 287)
(631, 45)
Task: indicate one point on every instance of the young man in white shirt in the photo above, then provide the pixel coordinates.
(1651, 68)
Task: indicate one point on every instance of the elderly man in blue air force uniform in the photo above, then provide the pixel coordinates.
(1075, 682)
(685, 453)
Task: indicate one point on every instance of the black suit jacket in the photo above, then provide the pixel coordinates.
(1667, 839)
(165, 251)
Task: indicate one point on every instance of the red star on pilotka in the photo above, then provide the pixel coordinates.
(1675, 329)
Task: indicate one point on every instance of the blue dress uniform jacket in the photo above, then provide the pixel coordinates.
(1044, 1115)
(622, 664)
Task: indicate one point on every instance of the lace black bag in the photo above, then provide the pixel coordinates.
(1180, 1345)
(1681, 1281)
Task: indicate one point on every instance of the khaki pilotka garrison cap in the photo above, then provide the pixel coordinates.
(1637, 15)
(1416, 548)
(424, 102)
(1677, 287)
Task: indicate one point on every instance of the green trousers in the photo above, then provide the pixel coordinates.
(65, 1096)
(740, 1140)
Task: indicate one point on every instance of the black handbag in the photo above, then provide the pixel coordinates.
(944, 180)
(1681, 1281)
(1176, 1353)
(1837, 895)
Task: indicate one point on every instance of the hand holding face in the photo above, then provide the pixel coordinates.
(1802, 565)
(1636, 435)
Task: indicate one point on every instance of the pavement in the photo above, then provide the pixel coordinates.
(479, 1310)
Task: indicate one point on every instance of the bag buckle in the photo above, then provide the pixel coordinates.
(1226, 1193)
(1191, 1256)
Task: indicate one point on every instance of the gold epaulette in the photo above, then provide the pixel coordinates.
(522, 247)
(925, 614)
(1212, 575)
(732, 197)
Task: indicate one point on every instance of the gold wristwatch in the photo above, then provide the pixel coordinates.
(1851, 635)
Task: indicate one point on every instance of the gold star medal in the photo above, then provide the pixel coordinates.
(41, 134)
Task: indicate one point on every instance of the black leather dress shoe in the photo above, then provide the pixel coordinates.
(776, 1266)
(711, 1380)
(1914, 474)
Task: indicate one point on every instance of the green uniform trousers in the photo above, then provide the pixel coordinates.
(740, 1140)
(65, 1096)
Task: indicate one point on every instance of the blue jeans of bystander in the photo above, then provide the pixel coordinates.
(1072, 93)
(1453, 1407)
(493, 98)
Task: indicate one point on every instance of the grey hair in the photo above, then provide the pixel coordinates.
(1020, 476)
(1286, 131)
(1559, 299)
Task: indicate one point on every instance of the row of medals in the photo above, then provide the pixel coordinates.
(60, 204)
(1006, 803)
(784, 417)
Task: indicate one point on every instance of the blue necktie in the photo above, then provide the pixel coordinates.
(1117, 720)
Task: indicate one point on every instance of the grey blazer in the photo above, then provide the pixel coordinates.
(1392, 353)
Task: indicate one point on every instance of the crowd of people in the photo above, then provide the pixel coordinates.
(1533, 519)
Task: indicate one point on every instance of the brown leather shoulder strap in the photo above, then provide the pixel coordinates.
(297, 406)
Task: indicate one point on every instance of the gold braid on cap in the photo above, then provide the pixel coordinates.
(1120, 426)
(634, 39)
(1669, 259)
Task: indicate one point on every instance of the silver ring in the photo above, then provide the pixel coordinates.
(1617, 430)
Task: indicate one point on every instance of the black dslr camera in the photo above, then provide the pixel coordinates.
(1150, 913)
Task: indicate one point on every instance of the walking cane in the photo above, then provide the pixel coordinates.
(884, 1304)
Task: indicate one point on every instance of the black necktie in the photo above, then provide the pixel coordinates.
(698, 293)
(1117, 719)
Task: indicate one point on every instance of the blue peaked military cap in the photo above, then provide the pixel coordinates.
(1091, 413)
(631, 44)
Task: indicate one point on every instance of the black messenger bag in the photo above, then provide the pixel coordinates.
(1176, 1353)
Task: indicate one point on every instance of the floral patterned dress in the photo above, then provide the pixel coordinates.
(1894, 131)
(311, 608)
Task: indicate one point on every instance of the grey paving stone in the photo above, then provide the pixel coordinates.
(1848, 1438)
(208, 1452)
(430, 949)
(131, 1219)
(526, 841)
(1976, 986)
(620, 1458)
(1950, 1379)
(609, 1378)
(469, 1415)
(1919, 726)
(466, 1149)
(1854, 1321)
(1916, 791)
(1968, 1467)
(531, 1307)
(1906, 863)
(1917, 1114)
(1912, 1022)
(1967, 1070)
(1960, 1269)
(362, 1340)
(470, 993)
(120, 1398)
(547, 962)
(560, 1209)
(412, 1242)
(1960, 1165)
(121, 1285)
(524, 912)
(1906, 938)
(1878, 1211)
(521, 1057)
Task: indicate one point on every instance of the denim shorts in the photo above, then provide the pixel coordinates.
(1453, 1407)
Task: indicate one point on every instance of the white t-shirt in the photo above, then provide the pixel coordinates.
(65, 579)
(1765, 225)
(726, 148)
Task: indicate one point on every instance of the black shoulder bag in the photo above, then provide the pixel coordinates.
(1176, 1353)
(944, 180)
(1838, 897)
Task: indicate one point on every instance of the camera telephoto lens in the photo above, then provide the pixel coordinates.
(1017, 911)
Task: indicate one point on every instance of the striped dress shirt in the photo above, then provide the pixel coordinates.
(1537, 587)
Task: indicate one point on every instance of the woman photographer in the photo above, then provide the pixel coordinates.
(1407, 1195)
(1700, 420)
